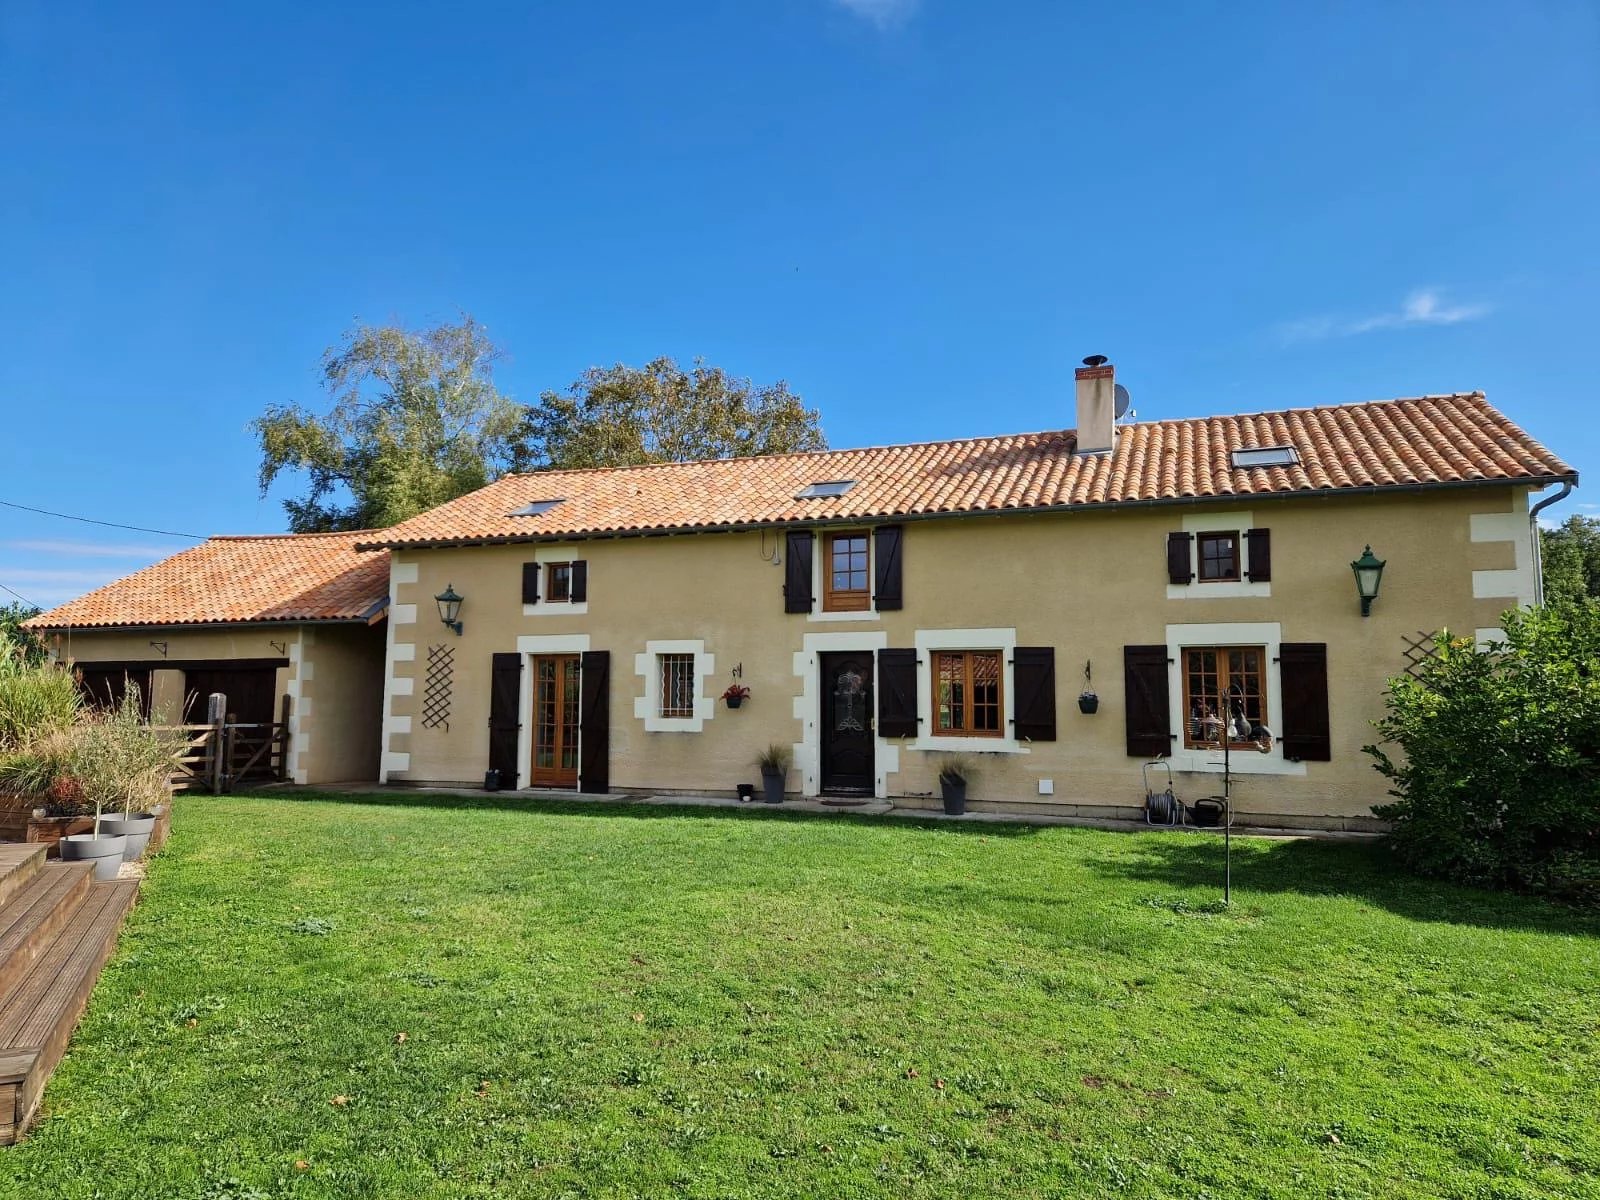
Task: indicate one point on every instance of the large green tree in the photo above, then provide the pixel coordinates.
(1571, 557)
(660, 412)
(414, 420)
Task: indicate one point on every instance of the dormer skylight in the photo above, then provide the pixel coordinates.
(537, 509)
(825, 489)
(1267, 456)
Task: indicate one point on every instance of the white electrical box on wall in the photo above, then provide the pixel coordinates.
(1047, 787)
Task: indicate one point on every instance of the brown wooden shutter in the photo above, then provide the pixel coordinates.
(580, 582)
(1149, 722)
(1180, 568)
(1258, 543)
(897, 693)
(1303, 676)
(886, 593)
(530, 583)
(1035, 685)
(594, 722)
(505, 699)
(797, 572)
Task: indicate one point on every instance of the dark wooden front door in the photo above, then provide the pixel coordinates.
(555, 721)
(846, 681)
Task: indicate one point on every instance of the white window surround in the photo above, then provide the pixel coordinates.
(1243, 762)
(929, 640)
(820, 571)
(648, 707)
(808, 709)
(299, 705)
(1218, 522)
(560, 643)
(544, 555)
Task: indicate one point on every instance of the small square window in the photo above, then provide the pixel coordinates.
(677, 685)
(1266, 456)
(824, 489)
(536, 509)
(558, 582)
(1219, 557)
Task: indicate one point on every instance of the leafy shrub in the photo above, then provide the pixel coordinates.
(103, 761)
(1498, 782)
(35, 699)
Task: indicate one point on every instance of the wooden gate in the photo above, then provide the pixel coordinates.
(219, 756)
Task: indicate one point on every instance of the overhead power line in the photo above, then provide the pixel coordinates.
(20, 596)
(45, 512)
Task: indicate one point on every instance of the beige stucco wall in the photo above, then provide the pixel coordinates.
(337, 690)
(333, 677)
(1086, 583)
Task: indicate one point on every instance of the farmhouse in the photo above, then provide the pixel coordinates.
(261, 620)
(1058, 608)
(887, 607)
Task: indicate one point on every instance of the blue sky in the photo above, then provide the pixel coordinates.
(921, 213)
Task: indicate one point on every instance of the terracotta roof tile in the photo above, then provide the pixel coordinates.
(287, 577)
(1393, 443)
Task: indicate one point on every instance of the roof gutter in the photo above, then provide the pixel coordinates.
(1567, 485)
(271, 623)
(1033, 510)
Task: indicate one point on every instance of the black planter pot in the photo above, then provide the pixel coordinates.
(955, 797)
(1088, 702)
(735, 701)
(136, 827)
(772, 785)
(746, 791)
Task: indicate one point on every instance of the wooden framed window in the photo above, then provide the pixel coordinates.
(967, 691)
(558, 582)
(1219, 556)
(677, 685)
(1209, 674)
(848, 587)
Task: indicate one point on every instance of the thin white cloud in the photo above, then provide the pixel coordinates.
(1424, 306)
(92, 549)
(885, 14)
(91, 579)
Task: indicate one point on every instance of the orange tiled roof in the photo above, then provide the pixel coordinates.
(1431, 440)
(283, 577)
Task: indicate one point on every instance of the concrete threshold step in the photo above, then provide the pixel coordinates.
(38, 1017)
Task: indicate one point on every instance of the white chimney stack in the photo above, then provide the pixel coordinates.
(1097, 405)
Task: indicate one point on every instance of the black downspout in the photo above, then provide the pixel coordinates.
(1538, 542)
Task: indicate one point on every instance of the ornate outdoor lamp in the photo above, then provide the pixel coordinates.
(1369, 574)
(450, 607)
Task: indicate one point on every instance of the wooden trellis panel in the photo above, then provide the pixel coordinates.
(1418, 650)
(436, 687)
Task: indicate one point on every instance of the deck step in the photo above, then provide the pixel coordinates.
(34, 913)
(19, 861)
(38, 1016)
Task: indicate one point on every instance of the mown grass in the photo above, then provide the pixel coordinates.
(619, 1002)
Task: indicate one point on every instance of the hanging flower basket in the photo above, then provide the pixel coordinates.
(1088, 702)
(736, 695)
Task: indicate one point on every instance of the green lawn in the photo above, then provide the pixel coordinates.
(602, 1001)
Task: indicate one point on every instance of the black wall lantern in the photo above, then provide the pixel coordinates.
(450, 607)
(1369, 574)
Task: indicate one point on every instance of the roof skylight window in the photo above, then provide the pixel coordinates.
(1267, 456)
(825, 489)
(537, 509)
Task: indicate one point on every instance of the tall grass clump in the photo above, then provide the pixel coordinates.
(35, 700)
(107, 761)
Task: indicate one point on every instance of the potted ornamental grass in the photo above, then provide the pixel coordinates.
(954, 771)
(109, 764)
(774, 763)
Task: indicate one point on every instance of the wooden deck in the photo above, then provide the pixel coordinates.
(57, 929)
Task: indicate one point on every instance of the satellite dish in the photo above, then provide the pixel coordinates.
(1122, 400)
